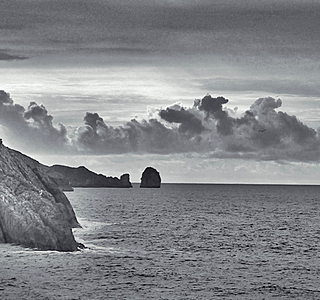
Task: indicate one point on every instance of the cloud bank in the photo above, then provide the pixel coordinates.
(216, 27)
(263, 132)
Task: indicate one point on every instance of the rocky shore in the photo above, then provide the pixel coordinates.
(34, 212)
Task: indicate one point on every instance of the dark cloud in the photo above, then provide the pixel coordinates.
(92, 119)
(115, 50)
(213, 107)
(216, 27)
(262, 132)
(189, 123)
(6, 56)
(5, 98)
(39, 114)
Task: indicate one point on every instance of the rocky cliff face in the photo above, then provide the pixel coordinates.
(82, 177)
(33, 210)
(62, 182)
(150, 178)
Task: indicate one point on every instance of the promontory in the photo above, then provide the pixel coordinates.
(34, 212)
(82, 177)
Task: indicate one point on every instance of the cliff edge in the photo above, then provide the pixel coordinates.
(33, 210)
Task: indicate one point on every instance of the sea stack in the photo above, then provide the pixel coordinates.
(34, 212)
(150, 178)
(125, 180)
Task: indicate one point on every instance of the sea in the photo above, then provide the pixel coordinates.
(181, 241)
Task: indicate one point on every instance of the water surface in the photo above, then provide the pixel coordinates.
(187, 242)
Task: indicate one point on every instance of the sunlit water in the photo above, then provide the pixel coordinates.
(190, 242)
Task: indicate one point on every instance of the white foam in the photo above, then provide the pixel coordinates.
(101, 249)
(88, 224)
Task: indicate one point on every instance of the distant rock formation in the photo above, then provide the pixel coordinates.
(82, 177)
(150, 178)
(125, 180)
(34, 212)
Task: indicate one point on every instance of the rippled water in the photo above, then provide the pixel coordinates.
(190, 242)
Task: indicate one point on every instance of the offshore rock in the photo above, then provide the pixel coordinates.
(150, 178)
(82, 177)
(125, 180)
(34, 212)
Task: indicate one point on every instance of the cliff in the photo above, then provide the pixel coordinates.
(150, 178)
(33, 210)
(82, 177)
(62, 182)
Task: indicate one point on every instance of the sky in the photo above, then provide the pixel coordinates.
(222, 91)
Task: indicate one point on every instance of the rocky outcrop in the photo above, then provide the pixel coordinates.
(62, 182)
(82, 177)
(125, 180)
(150, 178)
(34, 212)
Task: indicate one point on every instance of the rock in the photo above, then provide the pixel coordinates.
(62, 182)
(82, 177)
(150, 178)
(125, 180)
(34, 212)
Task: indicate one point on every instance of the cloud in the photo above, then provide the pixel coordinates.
(139, 137)
(303, 86)
(92, 120)
(6, 56)
(5, 98)
(189, 123)
(268, 134)
(261, 133)
(218, 27)
(32, 128)
(213, 107)
(10, 114)
(43, 122)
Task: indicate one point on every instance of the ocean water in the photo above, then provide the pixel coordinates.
(179, 242)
